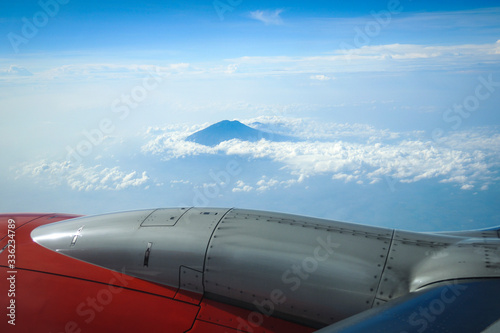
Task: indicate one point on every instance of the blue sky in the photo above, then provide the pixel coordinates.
(422, 77)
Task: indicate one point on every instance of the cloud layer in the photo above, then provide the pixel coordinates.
(348, 153)
(352, 153)
(15, 70)
(346, 58)
(81, 178)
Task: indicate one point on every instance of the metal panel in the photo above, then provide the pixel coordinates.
(418, 259)
(122, 242)
(191, 279)
(184, 244)
(107, 240)
(313, 270)
(164, 217)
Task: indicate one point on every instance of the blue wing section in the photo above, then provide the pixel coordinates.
(463, 306)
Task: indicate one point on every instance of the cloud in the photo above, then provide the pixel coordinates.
(172, 146)
(321, 77)
(268, 17)
(348, 153)
(113, 71)
(265, 184)
(376, 58)
(467, 187)
(309, 130)
(232, 68)
(407, 161)
(415, 51)
(15, 70)
(353, 153)
(82, 178)
(242, 187)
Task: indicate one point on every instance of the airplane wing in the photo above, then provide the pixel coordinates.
(464, 306)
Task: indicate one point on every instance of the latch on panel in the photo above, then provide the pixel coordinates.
(75, 236)
(146, 254)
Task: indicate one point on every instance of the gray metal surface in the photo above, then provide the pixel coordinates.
(310, 270)
(121, 241)
(166, 217)
(420, 259)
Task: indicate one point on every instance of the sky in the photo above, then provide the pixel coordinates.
(394, 104)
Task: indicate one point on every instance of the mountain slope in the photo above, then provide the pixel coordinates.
(227, 130)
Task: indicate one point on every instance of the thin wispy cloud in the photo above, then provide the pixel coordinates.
(390, 57)
(108, 70)
(98, 71)
(268, 17)
(379, 58)
(15, 70)
(415, 51)
(393, 57)
(484, 18)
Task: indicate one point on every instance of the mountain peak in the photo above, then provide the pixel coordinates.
(229, 124)
(227, 130)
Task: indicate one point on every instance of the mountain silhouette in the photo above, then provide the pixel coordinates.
(227, 130)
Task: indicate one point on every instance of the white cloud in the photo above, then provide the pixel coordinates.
(268, 17)
(172, 145)
(345, 177)
(112, 71)
(376, 58)
(372, 58)
(480, 140)
(415, 51)
(184, 182)
(232, 68)
(321, 77)
(82, 178)
(242, 187)
(264, 184)
(309, 130)
(15, 70)
(353, 153)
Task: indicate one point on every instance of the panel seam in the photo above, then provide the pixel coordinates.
(208, 246)
(384, 267)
